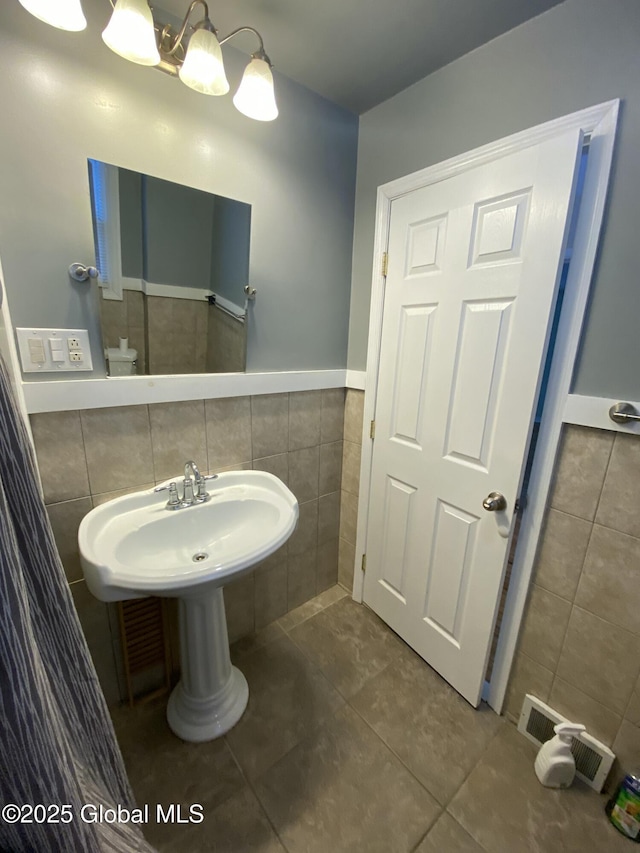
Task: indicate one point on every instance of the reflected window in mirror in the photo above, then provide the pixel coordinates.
(173, 264)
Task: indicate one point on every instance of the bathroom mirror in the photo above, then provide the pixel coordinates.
(173, 263)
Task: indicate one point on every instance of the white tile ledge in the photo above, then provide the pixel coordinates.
(594, 412)
(63, 396)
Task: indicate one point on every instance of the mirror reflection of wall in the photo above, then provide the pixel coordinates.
(173, 263)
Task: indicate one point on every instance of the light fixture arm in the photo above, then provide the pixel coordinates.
(259, 54)
(205, 23)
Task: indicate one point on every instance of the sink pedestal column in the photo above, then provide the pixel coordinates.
(212, 694)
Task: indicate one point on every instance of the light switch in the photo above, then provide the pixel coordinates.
(36, 351)
(57, 354)
(54, 350)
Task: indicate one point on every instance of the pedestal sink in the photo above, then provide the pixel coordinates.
(134, 546)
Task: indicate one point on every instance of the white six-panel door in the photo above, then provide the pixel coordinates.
(473, 268)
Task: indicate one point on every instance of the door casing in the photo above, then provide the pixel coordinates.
(598, 123)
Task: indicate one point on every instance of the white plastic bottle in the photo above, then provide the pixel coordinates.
(555, 766)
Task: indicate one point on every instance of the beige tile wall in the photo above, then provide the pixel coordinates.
(181, 335)
(176, 335)
(87, 457)
(125, 319)
(352, 449)
(226, 343)
(579, 647)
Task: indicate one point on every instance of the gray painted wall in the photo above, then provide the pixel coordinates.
(187, 238)
(578, 54)
(130, 203)
(230, 246)
(66, 98)
(178, 224)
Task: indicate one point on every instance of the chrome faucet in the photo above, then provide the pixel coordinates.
(189, 496)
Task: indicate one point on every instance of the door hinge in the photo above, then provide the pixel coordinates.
(385, 263)
(521, 503)
(372, 430)
(364, 562)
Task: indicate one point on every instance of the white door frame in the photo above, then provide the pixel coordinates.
(599, 124)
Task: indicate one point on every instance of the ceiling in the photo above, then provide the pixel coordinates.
(358, 53)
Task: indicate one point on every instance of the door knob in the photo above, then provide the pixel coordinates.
(623, 413)
(494, 502)
(80, 272)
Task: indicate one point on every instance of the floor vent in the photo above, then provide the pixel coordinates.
(593, 759)
(145, 648)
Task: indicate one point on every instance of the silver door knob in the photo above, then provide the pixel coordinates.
(622, 413)
(494, 502)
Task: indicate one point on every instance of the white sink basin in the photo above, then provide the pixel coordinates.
(133, 546)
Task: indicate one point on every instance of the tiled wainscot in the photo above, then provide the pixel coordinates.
(579, 647)
(90, 456)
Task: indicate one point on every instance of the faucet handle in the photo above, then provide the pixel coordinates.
(202, 494)
(172, 488)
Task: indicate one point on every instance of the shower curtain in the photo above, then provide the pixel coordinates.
(57, 745)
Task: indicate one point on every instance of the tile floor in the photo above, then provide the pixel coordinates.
(350, 742)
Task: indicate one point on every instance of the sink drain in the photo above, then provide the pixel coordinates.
(199, 557)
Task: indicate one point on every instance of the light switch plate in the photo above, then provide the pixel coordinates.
(74, 358)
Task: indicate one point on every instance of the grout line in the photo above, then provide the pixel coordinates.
(615, 530)
(389, 747)
(614, 625)
(84, 451)
(289, 448)
(288, 398)
(410, 771)
(84, 455)
(484, 752)
(423, 837)
(466, 832)
(573, 600)
(313, 733)
(564, 638)
(250, 786)
(322, 609)
(537, 663)
(251, 434)
(70, 501)
(604, 479)
(580, 687)
(550, 506)
(537, 583)
(206, 435)
(315, 665)
(153, 458)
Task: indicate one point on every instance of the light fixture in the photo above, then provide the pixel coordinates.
(130, 32)
(64, 14)
(203, 68)
(255, 96)
(133, 34)
(198, 60)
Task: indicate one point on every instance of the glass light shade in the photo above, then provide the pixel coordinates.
(130, 33)
(255, 97)
(64, 14)
(203, 69)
